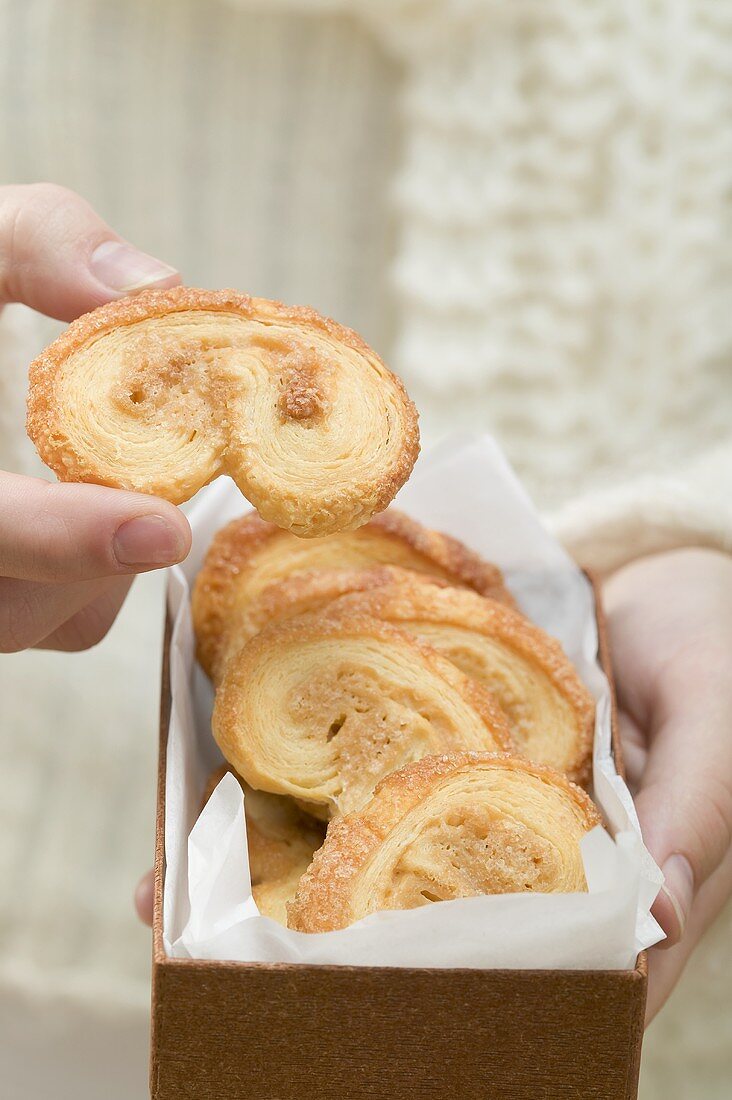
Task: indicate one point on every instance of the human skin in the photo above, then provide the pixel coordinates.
(68, 553)
(670, 621)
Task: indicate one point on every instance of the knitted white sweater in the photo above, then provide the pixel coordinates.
(525, 206)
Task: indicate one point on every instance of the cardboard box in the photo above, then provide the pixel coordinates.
(261, 1031)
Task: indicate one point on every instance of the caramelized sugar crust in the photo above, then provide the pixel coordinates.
(249, 555)
(550, 712)
(451, 826)
(321, 708)
(162, 392)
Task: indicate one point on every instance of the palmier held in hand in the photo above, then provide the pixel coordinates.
(249, 555)
(447, 827)
(321, 709)
(162, 392)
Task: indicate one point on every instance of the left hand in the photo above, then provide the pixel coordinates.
(670, 626)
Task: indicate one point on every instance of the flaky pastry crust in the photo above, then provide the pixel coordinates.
(321, 709)
(249, 555)
(281, 841)
(162, 392)
(456, 825)
(549, 710)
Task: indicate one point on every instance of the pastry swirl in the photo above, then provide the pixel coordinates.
(321, 709)
(446, 827)
(163, 392)
(550, 711)
(249, 555)
(281, 841)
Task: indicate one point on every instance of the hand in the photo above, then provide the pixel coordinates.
(68, 553)
(670, 624)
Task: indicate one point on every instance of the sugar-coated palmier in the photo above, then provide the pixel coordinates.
(162, 392)
(550, 711)
(249, 555)
(452, 826)
(321, 709)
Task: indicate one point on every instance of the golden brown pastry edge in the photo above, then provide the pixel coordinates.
(320, 904)
(58, 452)
(233, 547)
(226, 724)
(485, 615)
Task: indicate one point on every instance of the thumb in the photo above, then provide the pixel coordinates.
(58, 256)
(685, 800)
(67, 533)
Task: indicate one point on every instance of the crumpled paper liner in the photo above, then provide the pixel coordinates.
(467, 490)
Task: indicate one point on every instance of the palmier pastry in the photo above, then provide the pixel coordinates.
(248, 555)
(304, 593)
(446, 827)
(163, 392)
(322, 709)
(550, 711)
(281, 841)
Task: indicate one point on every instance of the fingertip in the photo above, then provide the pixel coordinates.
(123, 269)
(178, 519)
(144, 898)
(150, 541)
(59, 257)
(672, 906)
(152, 533)
(667, 912)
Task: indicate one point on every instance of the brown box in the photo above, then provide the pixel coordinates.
(277, 1031)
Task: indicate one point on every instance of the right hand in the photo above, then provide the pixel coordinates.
(68, 553)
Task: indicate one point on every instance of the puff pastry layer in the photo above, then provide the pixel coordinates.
(281, 842)
(162, 392)
(451, 826)
(249, 554)
(322, 708)
(550, 711)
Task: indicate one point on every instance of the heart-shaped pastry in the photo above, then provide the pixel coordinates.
(549, 710)
(162, 392)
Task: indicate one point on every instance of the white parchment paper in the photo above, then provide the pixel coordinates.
(467, 490)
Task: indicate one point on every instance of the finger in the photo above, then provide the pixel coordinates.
(30, 611)
(685, 800)
(665, 967)
(59, 257)
(635, 752)
(91, 623)
(67, 533)
(144, 898)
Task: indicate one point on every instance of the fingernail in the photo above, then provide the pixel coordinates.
(123, 269)
(679, 889)
(148, 540)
